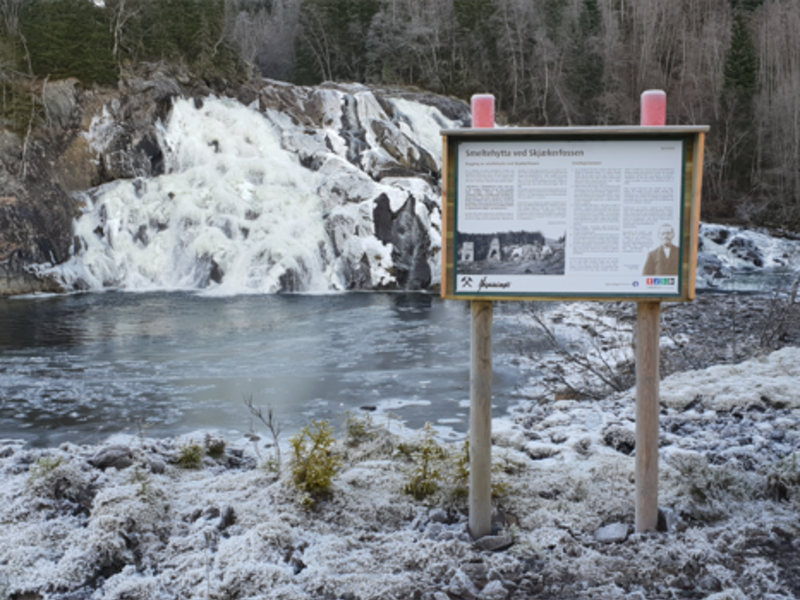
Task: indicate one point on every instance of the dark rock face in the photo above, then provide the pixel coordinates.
(35, 222)
(382, 217)
(37, 177)
(409, 239)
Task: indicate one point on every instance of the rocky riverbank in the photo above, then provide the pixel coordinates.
(127, 519)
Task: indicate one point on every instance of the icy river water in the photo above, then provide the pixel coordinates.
(82, 367)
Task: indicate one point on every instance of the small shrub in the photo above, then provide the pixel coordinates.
(460, 473)
(314, 465)
(141, 477)
(215, 446)
(783, 479)
(425, 477)
(708, 490)
(359, 429)
(273, 463)
(60, 478)
(44, 467)
(190, 456)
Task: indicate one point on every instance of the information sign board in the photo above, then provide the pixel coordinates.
(602, 213)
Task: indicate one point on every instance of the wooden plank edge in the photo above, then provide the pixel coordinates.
(695, 227)
(445, 291)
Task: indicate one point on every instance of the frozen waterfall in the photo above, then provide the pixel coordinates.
(335, 189)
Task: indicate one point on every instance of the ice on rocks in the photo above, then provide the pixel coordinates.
(246, 200)
(612, 534)
(494, 591)
(462, 586)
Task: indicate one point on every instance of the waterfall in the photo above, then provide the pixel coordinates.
(254, 200)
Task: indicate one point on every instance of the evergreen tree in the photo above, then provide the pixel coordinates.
(584, 65)
(741, 64)
(738, 104)
(473, 15)
(333, 39)
(480, 67)
(68, 38)
(553, 15)
(191, 32)
(747, 5)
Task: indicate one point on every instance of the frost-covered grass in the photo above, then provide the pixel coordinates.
(730, 488)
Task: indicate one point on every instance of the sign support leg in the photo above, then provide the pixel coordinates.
(648, 323)
(480, 421)
(480, 386)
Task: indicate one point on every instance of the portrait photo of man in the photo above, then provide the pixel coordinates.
(664, 260)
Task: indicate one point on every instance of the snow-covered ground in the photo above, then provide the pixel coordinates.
(74, 528)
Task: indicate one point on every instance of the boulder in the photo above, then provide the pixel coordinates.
(462, 586)
(612, 534)
(494, 591)
(60, 102)
(118, 457)
(494, 543)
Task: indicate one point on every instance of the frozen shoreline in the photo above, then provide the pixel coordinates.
(730, 487)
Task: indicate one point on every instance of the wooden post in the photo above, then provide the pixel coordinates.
(480, 389)
(648, 325)
(480, 421)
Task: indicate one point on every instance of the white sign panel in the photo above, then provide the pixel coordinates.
(569, 217)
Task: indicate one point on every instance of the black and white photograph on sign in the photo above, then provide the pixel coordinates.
(511, 253)
(664, 260)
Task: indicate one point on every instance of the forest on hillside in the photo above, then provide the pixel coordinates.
(730, 64)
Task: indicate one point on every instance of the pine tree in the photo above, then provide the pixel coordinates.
(553, 13)
(741, 64)
(584, 64)
(738, 104)
(333, 40)
(747, 5)
(472, 15)
(68, 38)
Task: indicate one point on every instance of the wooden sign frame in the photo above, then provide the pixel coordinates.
(691, 139)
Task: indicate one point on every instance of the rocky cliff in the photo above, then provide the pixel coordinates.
(369, 157)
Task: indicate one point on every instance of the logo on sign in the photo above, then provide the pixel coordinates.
(660, 281)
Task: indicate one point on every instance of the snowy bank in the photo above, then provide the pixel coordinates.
(75, 526)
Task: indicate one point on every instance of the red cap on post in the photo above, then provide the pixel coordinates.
(654, 108)
(483, 111)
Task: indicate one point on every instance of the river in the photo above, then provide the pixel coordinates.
(81, 367)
